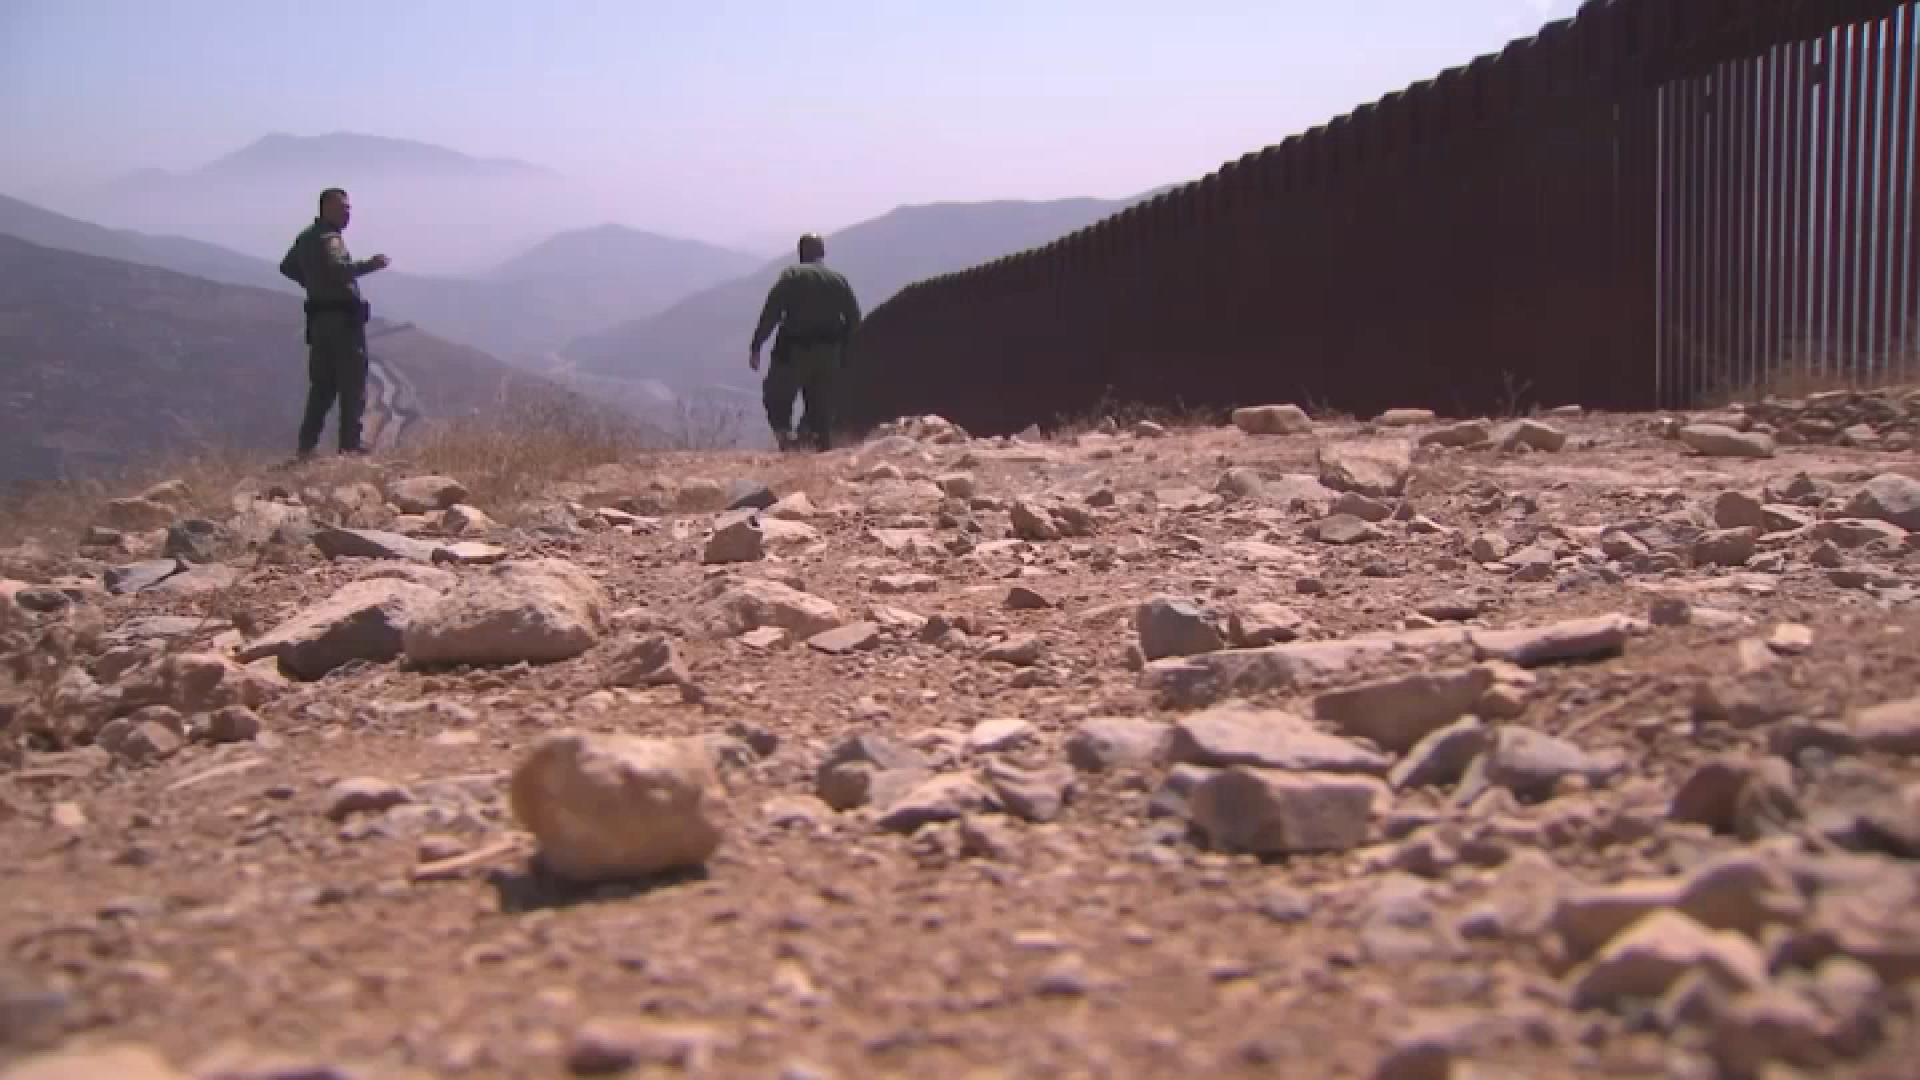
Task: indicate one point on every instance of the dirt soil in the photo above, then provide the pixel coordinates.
(1062, 895)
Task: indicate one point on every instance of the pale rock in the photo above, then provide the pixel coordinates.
(1021, 650)
(652, 659)
(794, 507)
(948, 797)
(469, 553)
(1532, 764)
(996, 736)
(1103, 743)
(1360, 506)
(1715, 440)
(1442, 757)
(609, 1046)
(364, 795)
(1728, 794)
(1650, 956)
(1032, 522)
(896, 619)
(1240, 482)
(426, 494)
(124, 1061)
(1275, 812)
(1272, 420)
(1172, 627)
(1036, 795)
(607, 807)
(1534, 435)
(537, 611)
(1489, 547)
(197, 683)
(1853, 533)
(1890, 497)
(1573, 640)
(1405, 417)
(1261, 624)
(1342, 529)
(463, 520)
(853, 637)
(1889, 728)
(1726, 547)
(737, 537)
(1378, 469)
(733, 608)
(1462, 434)
(765, 637)
(901, 584)
(1739, 510)
(338, 543)
(1397, 713)
(1237, 734)
(882, 753)
(958, 485)
(1790, 639)
(363, 620)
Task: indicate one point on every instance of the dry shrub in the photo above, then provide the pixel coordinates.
(56, 513)
(508, 458)
(1178, 416)
(1807, 368)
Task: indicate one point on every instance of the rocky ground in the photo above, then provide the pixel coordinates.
(1574, 746)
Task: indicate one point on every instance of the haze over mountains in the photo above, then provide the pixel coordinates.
(104, 362)
(209, 348)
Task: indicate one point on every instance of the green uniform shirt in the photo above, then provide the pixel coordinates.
(318, 261)
(811, 303)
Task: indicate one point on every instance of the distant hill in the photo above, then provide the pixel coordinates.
(568, 285)
(701, 341)
(437, 211)
(587, 279)
(104, 362)
(24, 221)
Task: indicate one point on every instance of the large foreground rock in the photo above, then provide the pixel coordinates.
(538, 611)
(364, 620)
(608, 807)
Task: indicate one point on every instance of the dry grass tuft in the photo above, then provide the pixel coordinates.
(56, 514)
(507, 459)
(1178, 416)
(1806, 369)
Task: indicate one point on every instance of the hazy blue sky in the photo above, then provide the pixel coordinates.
(726, 117)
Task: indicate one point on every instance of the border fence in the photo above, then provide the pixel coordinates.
(1648, 205)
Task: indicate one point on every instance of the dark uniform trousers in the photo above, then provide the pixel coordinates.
(336, 368)
(804, 371)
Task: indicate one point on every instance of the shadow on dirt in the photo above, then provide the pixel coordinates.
(536, 888)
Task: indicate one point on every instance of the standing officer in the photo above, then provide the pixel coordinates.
(816, 312)
(336, 322)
